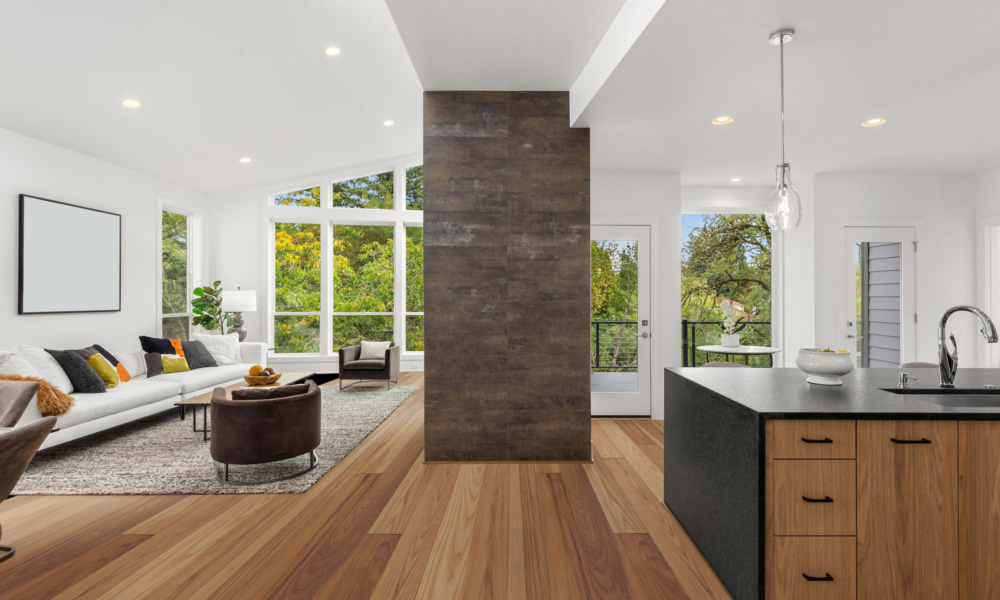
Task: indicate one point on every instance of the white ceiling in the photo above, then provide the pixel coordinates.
(931, 68)
(218, 80)
(533, 45)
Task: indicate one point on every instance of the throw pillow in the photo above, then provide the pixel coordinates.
(225, 349)
(123, 374)
(85, 380)
(48, 367)
(198, 356)
(154, 364)
(175, 364)
(52, 402)
(161, 345)
(12, 364)
(373, 350)
(100, 365)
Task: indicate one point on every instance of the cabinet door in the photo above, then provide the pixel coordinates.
(907, 509)
(979, 497)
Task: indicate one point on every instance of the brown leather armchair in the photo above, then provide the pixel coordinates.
(17, 446)
(265, 425)
(385, 369)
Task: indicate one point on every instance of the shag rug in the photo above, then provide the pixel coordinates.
(161, 455)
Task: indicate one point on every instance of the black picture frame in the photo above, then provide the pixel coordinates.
(20, 258)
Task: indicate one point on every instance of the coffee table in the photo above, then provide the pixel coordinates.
(205, 400)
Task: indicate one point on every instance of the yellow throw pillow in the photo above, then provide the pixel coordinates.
(175, 364)
(107, 372)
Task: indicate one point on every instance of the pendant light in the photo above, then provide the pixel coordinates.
(784, 209)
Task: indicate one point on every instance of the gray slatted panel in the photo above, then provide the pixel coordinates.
(884, 265)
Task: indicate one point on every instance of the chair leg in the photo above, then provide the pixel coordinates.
(5, 553)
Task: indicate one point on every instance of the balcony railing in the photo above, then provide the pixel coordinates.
(614, 346)
(706, 333)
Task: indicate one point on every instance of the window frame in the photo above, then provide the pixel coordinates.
(328, 216)
(194, 231)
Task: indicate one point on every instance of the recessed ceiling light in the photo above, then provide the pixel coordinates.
(388, 123)
(724, 120)
(245, 159)
(332, 51)
(131, 103)
(735, 179)
(873, 122)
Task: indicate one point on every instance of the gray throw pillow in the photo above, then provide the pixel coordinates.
(85, 379)
(197, 355)
(154, 364)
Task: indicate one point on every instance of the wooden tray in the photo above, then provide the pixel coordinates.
(261, 379)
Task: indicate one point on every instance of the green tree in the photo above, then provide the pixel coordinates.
(374, 191)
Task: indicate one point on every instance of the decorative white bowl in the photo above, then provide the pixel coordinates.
(824, 368)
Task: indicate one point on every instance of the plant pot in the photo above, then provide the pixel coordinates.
(731, 340)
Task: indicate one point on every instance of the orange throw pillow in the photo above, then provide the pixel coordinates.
(52, 402)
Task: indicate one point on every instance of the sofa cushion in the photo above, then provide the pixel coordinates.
(137, 392)
(373, 350)
(200, 379)
(225, 349)
(46, 366)
(366, 365)
(198, 356)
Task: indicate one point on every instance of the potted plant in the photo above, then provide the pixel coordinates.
(208, 308)
(731, 326)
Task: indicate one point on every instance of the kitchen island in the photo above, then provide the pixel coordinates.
(792, 490)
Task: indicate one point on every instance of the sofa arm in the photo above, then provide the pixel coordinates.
(392, 360)
(15, 397)
(348, 354)
(254, 353)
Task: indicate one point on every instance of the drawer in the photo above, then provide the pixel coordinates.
(815, 497)
(828, 562)
(813, 439)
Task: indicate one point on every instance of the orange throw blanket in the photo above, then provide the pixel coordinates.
(52, 402)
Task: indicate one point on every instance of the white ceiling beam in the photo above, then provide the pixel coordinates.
(632, 20)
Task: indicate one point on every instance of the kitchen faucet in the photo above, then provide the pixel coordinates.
(948, 361)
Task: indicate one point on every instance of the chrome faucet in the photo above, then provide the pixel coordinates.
(948, 361)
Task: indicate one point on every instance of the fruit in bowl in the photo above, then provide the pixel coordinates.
(256, 370)
(824, 366)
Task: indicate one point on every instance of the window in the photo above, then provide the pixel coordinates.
(346, 273)
(174, 276)
(374, 191)
(306, 197)
(297, 275)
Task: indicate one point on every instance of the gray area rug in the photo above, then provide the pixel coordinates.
(161, 455)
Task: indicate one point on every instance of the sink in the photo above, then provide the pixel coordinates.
(990, 400)
(937, 391)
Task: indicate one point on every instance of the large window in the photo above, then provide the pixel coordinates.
(348, 263)
(174, 275)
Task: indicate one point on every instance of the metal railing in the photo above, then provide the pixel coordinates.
(753, 335)
(617, 352)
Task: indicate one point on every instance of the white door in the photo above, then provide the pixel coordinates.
(879, 311)
(620, 330)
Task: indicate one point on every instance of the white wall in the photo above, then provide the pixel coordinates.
(33, 167)
(988, 257)
(943, 208)
(639, 198)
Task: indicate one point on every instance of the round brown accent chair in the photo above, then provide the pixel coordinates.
(263, 425)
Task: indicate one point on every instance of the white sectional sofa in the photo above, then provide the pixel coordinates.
(142, 397)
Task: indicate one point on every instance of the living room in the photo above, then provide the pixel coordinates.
(395, 299)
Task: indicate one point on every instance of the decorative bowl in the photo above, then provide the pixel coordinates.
(261, 379)
(824, 368)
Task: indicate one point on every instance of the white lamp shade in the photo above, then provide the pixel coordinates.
(239, 301)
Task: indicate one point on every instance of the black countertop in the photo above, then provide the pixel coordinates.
(784, 393)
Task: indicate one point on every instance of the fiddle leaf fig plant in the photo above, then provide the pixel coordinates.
(207, 309)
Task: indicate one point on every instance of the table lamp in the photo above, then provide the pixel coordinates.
(239, 302)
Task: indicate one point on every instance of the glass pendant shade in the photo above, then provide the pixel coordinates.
(784, 209)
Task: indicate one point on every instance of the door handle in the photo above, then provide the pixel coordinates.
(824, 499)
(644, 335)
(827, 577)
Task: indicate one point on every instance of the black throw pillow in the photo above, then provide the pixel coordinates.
(197, 355)
(85, 379)
(158, 345)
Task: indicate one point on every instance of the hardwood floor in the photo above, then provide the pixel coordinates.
(381, 524)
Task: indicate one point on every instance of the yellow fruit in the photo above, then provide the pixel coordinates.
(256, 370)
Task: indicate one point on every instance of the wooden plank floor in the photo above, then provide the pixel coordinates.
(381, 524)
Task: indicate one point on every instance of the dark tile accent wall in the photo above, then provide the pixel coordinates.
(506, 278)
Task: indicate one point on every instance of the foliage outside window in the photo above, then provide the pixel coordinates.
(614, 300)
(363, 282)
(306, 197)
(726, 257)
(374, 191)
(415, 188)
(296, 287)
(415, 289)
(174, 276)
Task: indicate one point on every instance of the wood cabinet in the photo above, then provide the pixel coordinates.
(907, 509)
(979, 509)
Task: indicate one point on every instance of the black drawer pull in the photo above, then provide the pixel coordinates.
(826, 499)
(827, 577)
(822, 441)
(920, 441)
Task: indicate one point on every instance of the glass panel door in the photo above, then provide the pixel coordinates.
(619, 324)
